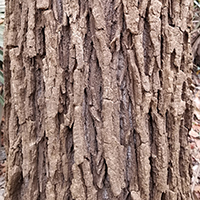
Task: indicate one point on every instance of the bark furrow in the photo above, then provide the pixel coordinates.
(97, 96)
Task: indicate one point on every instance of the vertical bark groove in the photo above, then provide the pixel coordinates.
(97, 99)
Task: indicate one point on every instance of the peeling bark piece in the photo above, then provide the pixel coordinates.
(44, 4)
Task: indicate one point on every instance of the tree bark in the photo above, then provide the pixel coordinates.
(98, 104)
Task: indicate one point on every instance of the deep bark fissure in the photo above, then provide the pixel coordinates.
(69, 147)
(101, 93)
(135, 153)
(151, 183)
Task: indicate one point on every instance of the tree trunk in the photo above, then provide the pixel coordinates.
(97, 97)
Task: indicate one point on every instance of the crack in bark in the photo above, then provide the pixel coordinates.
(100, 90)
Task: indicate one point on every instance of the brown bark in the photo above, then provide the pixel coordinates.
(97, 96)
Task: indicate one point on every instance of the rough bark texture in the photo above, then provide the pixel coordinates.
(97, 95)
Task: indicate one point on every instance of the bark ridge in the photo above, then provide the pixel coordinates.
(97, 96)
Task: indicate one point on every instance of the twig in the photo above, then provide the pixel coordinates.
(197, 3)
